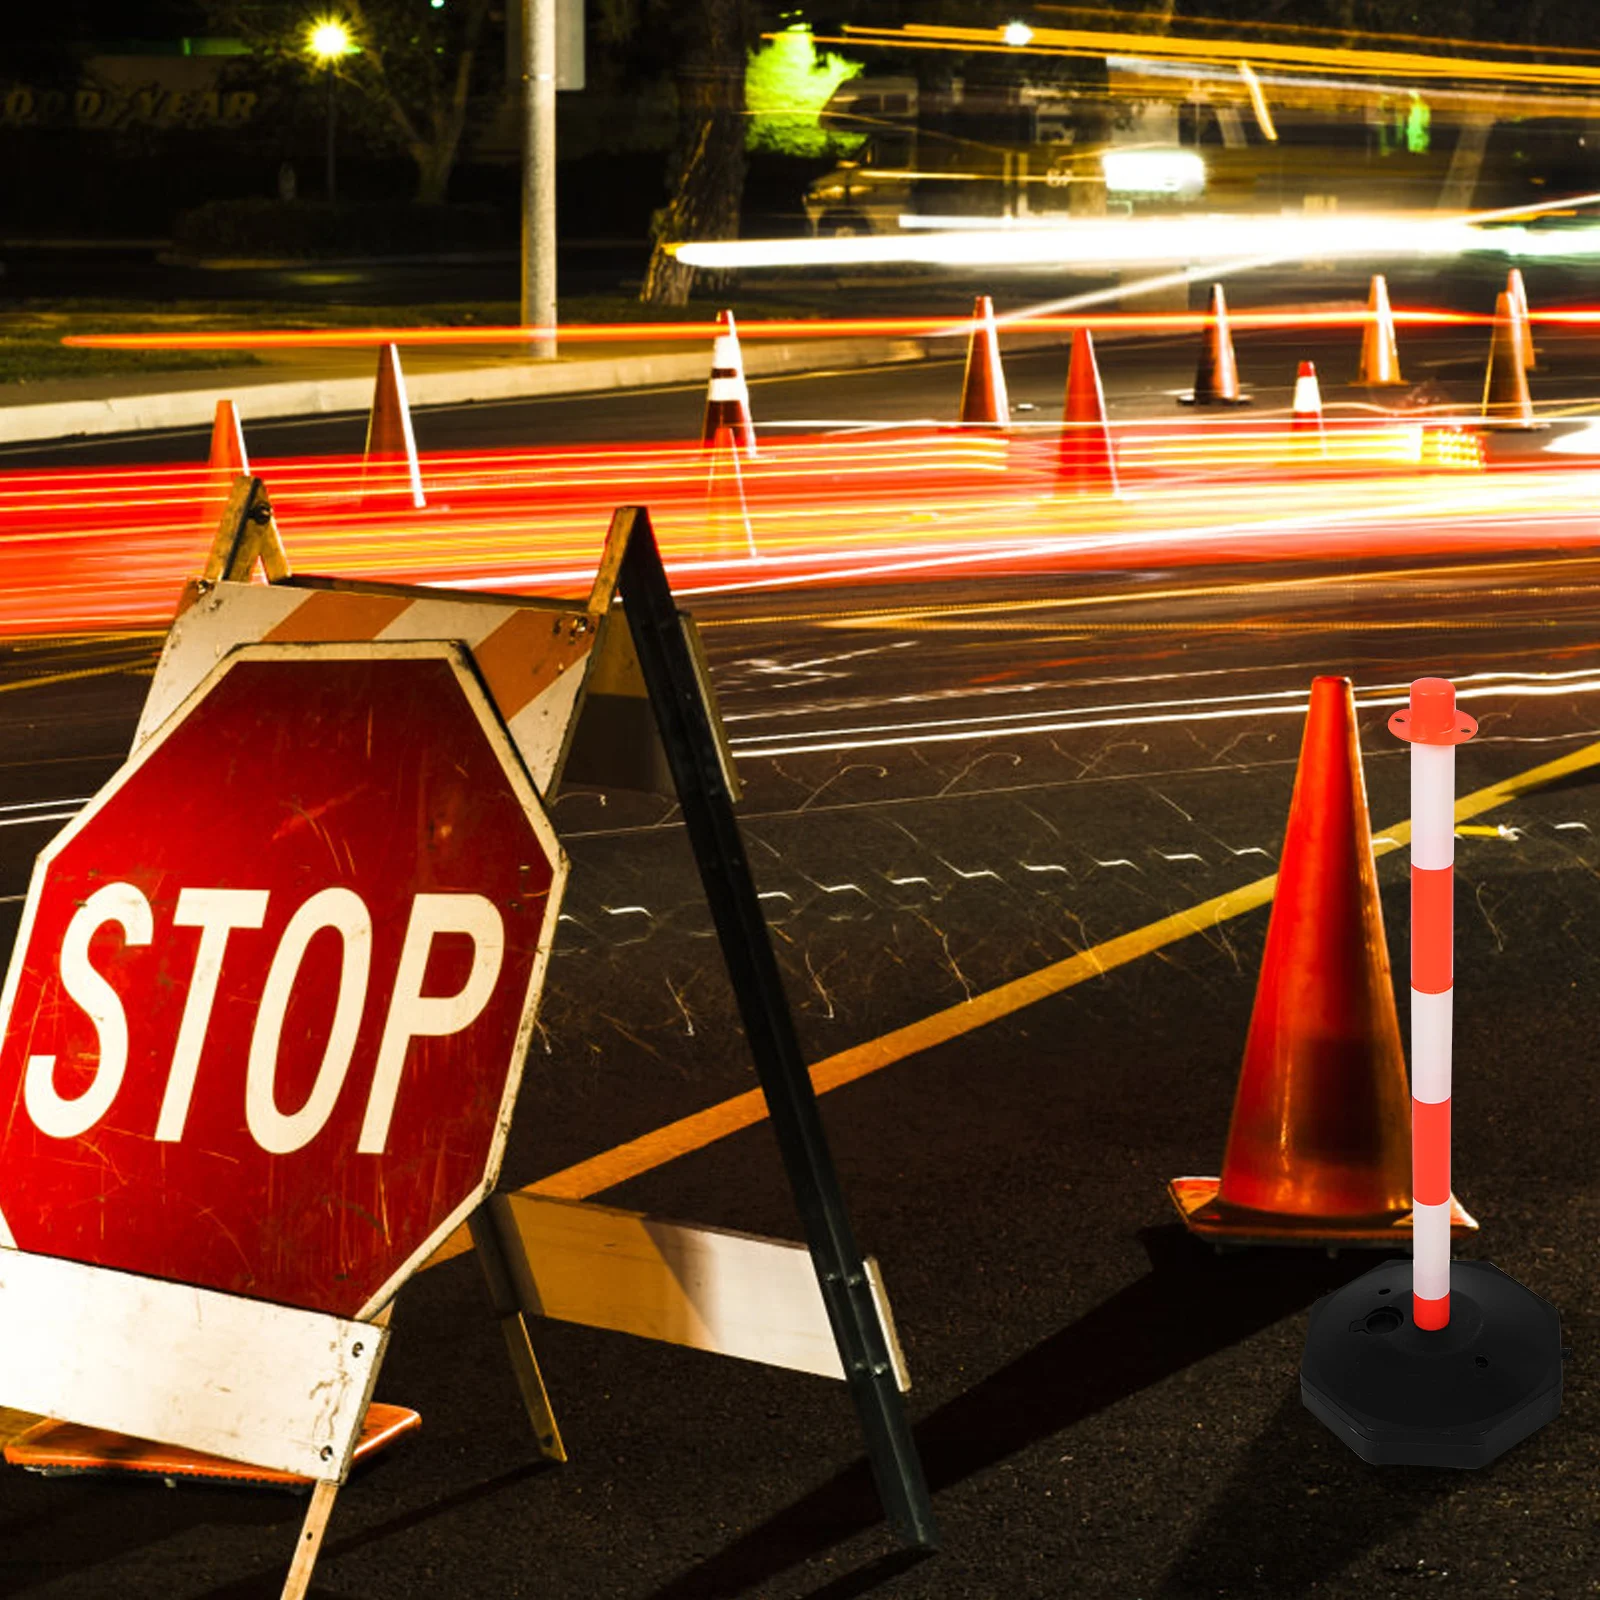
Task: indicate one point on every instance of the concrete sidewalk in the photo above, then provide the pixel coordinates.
(309, 383)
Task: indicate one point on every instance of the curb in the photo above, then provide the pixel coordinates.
(194, 407)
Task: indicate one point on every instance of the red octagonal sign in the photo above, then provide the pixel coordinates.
(273, 988)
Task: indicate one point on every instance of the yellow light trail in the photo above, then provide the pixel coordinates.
(1226, 53)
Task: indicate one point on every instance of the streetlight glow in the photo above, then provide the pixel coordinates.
(330, 40)
(1016, 33)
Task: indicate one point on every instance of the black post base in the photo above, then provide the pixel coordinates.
(1458, 1397)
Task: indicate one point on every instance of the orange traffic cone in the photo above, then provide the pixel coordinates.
(1216, 379)
(227, 459)
(1319, 1148)
(983, 390)
(728, 527)
(1380, 355)
(728, 395)
(1306, 411)
(1085, 461)
(1505, 385)
(1518, 291)
(390, 468)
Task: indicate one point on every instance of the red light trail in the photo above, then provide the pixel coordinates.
(111, 548)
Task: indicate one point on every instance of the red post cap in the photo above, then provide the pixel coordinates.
(1432, 717)
(1308, 369)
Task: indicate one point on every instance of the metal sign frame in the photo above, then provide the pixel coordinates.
(680, 699)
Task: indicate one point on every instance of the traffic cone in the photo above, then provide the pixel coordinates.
(1085, 461)
(1306, 411)
(728, 395)
(1216, 379)
(390, 469)
(1380, 355)
(983, 390)
(1518, 291)
(226, 460)
(1319, 1147)
(1505, 385)
(728, 529)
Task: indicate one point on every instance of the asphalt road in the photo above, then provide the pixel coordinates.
(948, 788)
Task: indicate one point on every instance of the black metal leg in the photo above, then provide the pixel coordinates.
(693, 754)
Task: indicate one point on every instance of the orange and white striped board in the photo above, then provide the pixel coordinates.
(562, 673)
(532, 654)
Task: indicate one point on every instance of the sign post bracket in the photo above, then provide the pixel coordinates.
(677, 698)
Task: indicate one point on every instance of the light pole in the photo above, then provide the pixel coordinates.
(330, 40)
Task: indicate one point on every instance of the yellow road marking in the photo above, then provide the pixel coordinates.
(702, 1128)
(68, 677)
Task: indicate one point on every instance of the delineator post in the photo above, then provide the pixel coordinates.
(1433, 727)
(1469, 1362)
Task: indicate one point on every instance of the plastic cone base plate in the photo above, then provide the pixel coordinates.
(1458, 1397)
(1218, 1224)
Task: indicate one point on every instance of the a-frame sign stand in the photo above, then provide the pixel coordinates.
(695, 754)
(597, 702)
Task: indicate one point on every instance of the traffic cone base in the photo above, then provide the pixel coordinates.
(984, 402)
(1210, 1219)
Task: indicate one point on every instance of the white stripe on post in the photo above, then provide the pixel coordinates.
(1433, 727)
(1433, 805)
(1430, 1244)
(1431, 1025)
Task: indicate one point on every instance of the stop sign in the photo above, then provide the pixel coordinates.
(272, 990)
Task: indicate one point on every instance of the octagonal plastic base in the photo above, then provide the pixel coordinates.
(1400, 1395)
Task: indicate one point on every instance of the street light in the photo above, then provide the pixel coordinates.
(329, 40)
(1016, 34)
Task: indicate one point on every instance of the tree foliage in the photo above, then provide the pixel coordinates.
(787, 82)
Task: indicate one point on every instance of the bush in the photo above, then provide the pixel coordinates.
(311, 230)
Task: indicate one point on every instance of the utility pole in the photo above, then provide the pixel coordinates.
(539, 173)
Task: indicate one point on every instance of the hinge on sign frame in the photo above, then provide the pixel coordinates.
(247, 533)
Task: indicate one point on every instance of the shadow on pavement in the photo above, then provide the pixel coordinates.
(81, 1523)
(1298, 1511)
(1141, 1336)
(269, 1585)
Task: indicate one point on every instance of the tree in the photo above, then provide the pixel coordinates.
(422, 70)
(708, 163)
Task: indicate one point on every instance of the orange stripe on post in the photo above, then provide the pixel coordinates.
(1431, 1314)
(1430, 1152)
(1432, 928)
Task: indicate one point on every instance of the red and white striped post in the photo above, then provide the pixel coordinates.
(1433, 727)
